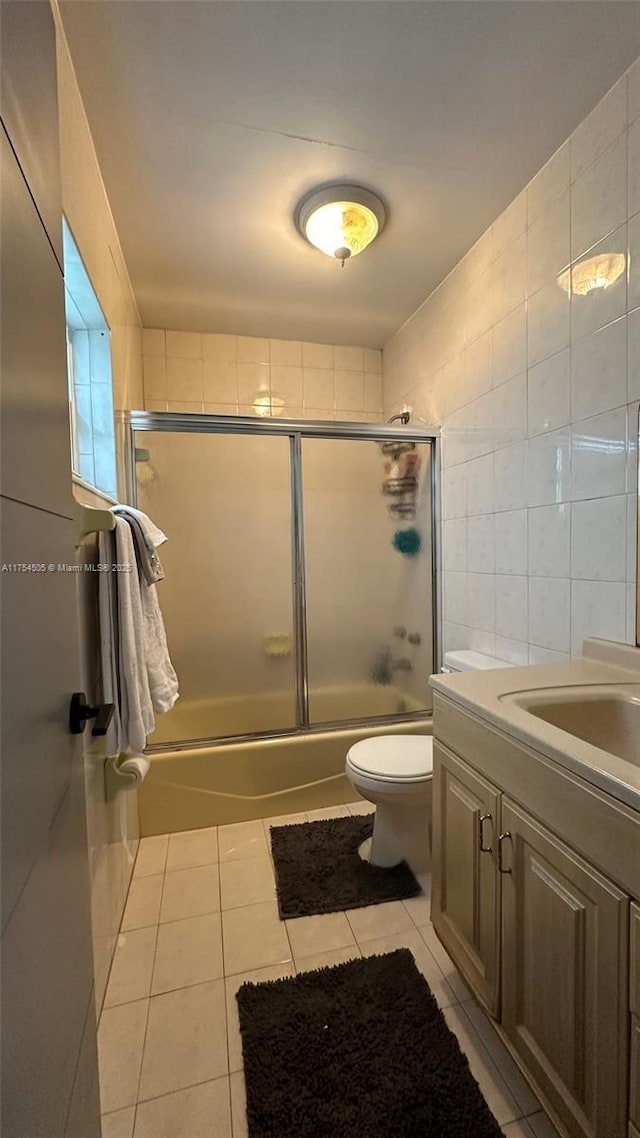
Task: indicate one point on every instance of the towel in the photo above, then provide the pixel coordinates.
(154, 536)
(136, 708)
(108, 617)
(149, 564)
(163, 682)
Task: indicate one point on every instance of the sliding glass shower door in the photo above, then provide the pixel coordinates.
(368, 595)
(225, 503)
(299, 571)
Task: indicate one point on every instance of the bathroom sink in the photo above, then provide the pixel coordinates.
(606, 716)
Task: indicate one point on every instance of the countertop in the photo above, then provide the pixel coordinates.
(485, 694)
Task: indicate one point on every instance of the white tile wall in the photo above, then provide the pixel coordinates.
(537, 395)
(220, 374)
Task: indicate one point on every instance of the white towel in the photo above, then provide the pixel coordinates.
(153, 535)
(163, 682)
(108, 617)
(136, 708)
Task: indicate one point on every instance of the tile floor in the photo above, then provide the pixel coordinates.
(200, 919)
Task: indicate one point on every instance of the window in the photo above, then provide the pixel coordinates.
(93, 449)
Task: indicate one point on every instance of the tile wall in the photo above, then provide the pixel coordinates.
(222, 375)
(112, 828)
(536, 388)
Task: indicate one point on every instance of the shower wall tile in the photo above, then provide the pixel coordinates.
(634, 168)
(153, 342)
(184, 345)
(184, 378)
(317, 356)
(600, 128)
(217, 346)
(348, 359)
(223, 374)
(287, 353)
(252, 350)
(539, 486)
(220, 380)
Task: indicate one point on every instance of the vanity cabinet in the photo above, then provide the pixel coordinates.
(465, 885)
(542, 938)
(634, 1005)
(564, 944)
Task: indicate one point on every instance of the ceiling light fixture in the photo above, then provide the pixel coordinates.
(594, 272)
(340, 220)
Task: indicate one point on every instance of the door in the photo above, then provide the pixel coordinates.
(49, 1065)
(465, 889)
(565, 976)
(225, 502)
(368, 571)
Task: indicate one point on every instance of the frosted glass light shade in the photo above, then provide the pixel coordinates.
(341, 220)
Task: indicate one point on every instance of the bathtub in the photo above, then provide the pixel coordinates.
(260, 778)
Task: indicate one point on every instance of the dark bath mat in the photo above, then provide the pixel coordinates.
(319, 870)
(360, 1050)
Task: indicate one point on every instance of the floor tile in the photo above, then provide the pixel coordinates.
(327, 959)
(120, 1043)
(497, 1096)
(319, 934)
(119, 1124)
(379, 920)
(242, 839)
(419, 907)
(328, 812)
(361, 807)
(143, 903)
(190, 893)
(152, 856)
(423, 958)
(445, 963)
(198, 1112)
(186, 1040)
(517, 1129)
(247, 881)
(232, 984)
(187, 952)
(131, 968)
(191, 848)
(283, 820)
(253, 937)
(238, 1105)
(509, 1070)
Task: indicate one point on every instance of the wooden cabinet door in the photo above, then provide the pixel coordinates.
(465, 899)
(565, 935)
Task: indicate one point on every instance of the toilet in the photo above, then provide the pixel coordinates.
(394, 772)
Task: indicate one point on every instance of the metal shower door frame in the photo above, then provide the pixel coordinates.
(130, 422)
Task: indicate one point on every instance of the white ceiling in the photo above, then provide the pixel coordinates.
(212, 119)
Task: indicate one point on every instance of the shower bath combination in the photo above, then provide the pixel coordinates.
(284, 589)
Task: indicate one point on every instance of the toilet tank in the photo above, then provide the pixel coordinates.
(468, 661)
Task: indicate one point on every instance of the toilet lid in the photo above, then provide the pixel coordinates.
(394, 757)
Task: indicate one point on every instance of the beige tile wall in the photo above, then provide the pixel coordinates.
(537, 392)
(87, 210)
(112, 828)
(220, 374)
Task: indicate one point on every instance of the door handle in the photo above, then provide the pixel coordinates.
(501, 839)
(484, 818)
(80, 711)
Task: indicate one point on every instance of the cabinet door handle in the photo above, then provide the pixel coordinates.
(501, 839)
(484, 818)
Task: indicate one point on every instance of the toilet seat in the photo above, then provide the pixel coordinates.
(393, 758)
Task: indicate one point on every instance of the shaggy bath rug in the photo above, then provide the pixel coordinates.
(319, 870)
(360, 1050)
